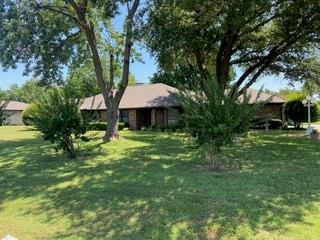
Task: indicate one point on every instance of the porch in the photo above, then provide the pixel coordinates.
(147, 117)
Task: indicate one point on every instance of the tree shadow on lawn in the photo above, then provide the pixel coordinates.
(155, 191)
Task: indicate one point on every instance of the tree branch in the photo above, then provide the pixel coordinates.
(55, 9)
(88, 28)
(127, 52)
(244, 60)
(224, 56)
(251, 69)
(64, 41)
(111, 56)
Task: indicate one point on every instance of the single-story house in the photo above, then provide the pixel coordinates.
(156, 105)
(13, 111)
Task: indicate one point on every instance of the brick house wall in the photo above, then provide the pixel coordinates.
(158, 117)
(272, 111)
(133, 119)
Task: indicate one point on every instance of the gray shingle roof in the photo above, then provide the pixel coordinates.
(140, 96)
(159, 95)
(257, 96)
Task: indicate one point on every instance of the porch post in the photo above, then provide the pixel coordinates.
(165, 116)
(153, 117)
(283, 116)
(133, 119)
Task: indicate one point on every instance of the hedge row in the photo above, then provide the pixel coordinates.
(102, 126)
(262, 123)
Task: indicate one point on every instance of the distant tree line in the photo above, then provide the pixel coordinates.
(81, 81)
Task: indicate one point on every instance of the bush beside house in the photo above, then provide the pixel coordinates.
(28, 113)
(102, 126)
(297, 112)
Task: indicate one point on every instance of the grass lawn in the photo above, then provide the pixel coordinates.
(150, 186)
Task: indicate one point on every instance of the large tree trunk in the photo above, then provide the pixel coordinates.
(112, 101)
(113, 106)
(111, 133)
(112, 123)
(112, 127)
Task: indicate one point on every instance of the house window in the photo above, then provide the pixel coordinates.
(124, 116)
(173, 115)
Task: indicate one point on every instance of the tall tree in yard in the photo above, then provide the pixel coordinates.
(255, 36)
(47, 36)
(202, 42)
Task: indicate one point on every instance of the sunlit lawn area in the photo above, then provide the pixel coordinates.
(149, 185)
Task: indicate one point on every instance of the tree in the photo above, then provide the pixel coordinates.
(82, 81)
(49, 35)
(215, 119)
(3, 114)
(297, 112)
(2, 94)
(57, 116)
(179, 78)
(81, 78)
(28, 113)
(217, 37)
(287, 93)
(13, 93)
(30, 91)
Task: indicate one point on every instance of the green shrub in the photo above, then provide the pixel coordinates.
(261, 123)
(172, 128)
(297, 112)
(122, 125)
(57, 116)
(102, 126)
(97, 126)
(28, 113)
(215, 118)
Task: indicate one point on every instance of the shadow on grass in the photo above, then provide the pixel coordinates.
(152, 189)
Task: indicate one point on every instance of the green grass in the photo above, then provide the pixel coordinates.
(150, 186)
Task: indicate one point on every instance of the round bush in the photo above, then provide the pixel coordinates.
(28, 114)
(298, 113)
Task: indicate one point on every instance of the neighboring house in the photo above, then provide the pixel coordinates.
(14, 110)
(156, 105)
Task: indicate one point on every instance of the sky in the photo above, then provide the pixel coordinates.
(142, 72)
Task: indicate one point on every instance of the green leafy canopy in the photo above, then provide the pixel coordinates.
(46, 38)
(215, 37)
